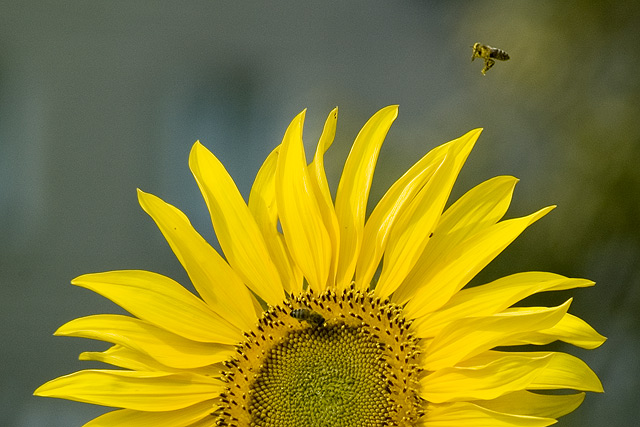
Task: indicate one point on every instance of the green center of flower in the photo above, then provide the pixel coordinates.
(322, 376)
(331, 360)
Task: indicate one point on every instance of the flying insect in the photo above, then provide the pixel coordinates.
(311, 317)
(489, 54)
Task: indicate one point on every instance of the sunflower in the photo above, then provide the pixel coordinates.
(303, 323)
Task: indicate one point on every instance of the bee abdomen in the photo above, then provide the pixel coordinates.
(311, 317)
(500, 54)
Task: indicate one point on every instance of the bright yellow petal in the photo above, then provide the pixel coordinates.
(141, 391)
(469, 415)
(504, 375)
(321, 190)
(263, 206)
(353, 189)
(433, 288)
(567, 371)
(384, 215)
(205, 422)
(527, 403)
(131, 418)
(161, 302)
(476, 210)
(236, 230)
(165, 347)
(470, 336)
(570, 329)
(126, 358)
(562, 372)
(483, 205)
(493, 297)
(413, 229)
(212, 277)
(300, 217)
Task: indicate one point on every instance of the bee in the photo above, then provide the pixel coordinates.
(311, 317)
(488, 53)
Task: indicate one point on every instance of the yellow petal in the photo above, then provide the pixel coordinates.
(300, 217)
(236, 230)
(476, 210)
(454, 269)
(483, 205)
(413, 229)
(126, 358)
(470, 336)
(161, 302)
(263, 207)
(469, 415)
(353, 189)
(562, 371)
(141, 391)
(384, 215)
(567, 371)
(492, 298)
(570, 329)
(165, 347)
(501, 376)
(527, 403)
(212, 277)
(321, 190)
(205, 422)
(131, 418)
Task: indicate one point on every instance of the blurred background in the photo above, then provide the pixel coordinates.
(99, 98)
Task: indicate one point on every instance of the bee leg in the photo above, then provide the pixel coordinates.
(488, 63)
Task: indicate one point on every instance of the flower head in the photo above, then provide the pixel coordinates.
(303, 323)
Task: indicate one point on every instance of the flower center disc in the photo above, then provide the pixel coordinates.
(322, 376)
(343, 359)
